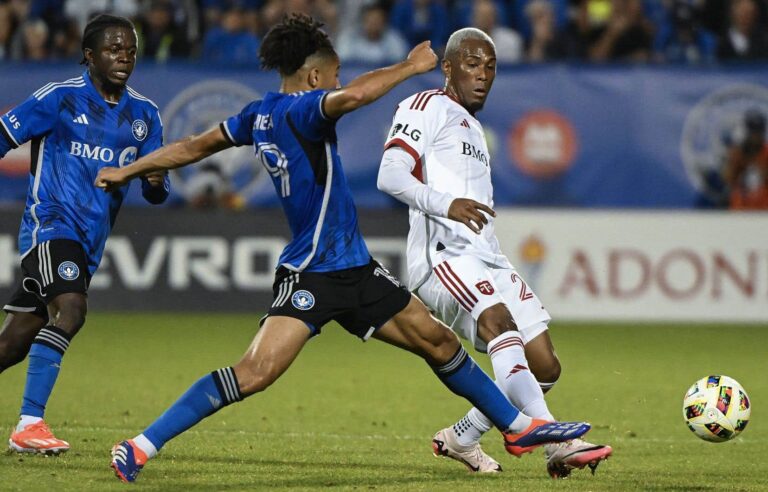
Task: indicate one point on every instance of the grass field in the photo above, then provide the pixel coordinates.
(353, 416)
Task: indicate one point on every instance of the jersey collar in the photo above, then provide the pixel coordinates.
(100, 98)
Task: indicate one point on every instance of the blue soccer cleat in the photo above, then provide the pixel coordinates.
(542, 432)
(127, 461)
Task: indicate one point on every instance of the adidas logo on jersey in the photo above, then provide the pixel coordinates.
(464, 124)
(82, 119)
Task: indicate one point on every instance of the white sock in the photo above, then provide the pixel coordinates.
(25, 420)
(145, 445)
(512, 375)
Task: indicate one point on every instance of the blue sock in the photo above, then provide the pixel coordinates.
(44, 363)
(207, 396)
(463, 376)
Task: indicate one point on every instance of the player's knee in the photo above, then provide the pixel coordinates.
(70, 313)
(495, 321)
(547, 375)
(253, 381)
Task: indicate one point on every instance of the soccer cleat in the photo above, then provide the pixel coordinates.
(444, 444)
(127, 460)
(543, 432)
(564, 457)
(37, 438)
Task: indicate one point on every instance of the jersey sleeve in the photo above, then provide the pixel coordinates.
(32, 118)
(154, 138)
(238, 129)
(412, 129)
(307, 117)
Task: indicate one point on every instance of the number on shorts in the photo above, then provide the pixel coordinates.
(525, 294)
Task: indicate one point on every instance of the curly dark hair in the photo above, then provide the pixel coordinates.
(288, 44)
(97, 26)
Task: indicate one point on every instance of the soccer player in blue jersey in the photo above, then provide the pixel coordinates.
(76, 127)
(325, 272)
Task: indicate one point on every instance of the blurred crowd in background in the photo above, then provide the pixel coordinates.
(382, 31)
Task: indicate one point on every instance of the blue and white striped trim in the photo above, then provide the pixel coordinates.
(226, 382)
(54, 338)
(323, 210)
(138, 96)
(47, 89)
(452, 365)
(36, 196)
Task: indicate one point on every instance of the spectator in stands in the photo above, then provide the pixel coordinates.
(232, 42)
(159, 37)
(746, 169)
(323, 10)
(746, 37)
(373, 41)
(6, 30)
(546, 42)
(509, 44)
(81, 11)
(34, 40)
(421, 20)
(681, 39)
(626, 37)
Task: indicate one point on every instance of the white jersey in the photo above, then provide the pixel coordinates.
(451, 154)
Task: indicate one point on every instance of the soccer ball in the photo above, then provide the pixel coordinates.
(716, 408)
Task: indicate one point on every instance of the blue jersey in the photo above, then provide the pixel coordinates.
(296, 143)
(74, 133)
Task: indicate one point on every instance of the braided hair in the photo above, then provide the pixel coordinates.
(288, 44)
(96, 27)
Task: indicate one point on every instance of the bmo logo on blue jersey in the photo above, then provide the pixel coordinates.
(303, 300)
(95, 152)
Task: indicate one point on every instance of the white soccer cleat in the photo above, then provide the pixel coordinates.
(576, 453)
(473, 457)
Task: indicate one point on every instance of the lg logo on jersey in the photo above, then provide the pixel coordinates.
(414, 134)
(103, 154)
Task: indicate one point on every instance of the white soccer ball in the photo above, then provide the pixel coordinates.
(716, 408)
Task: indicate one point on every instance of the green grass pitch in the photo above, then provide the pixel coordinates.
(359, 416)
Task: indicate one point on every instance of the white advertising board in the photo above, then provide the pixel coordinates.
(683, 266)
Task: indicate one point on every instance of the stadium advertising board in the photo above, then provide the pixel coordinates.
(584, 265)
(642, 266)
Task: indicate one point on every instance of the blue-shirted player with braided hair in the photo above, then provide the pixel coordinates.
(76, 128)
(325, 272)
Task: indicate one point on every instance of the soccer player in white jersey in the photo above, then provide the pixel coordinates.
(436, 160)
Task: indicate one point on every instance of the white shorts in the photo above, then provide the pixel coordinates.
(461, 288)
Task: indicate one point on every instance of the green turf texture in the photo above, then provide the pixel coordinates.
(359, 416)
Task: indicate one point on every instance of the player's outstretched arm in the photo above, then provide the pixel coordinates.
(372, 85)
(175, 155)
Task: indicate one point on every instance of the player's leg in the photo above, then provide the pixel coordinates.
(26, 316)
(405, 322)
(543, 361)
(57, 272)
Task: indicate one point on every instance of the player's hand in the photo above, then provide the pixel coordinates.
(110, 178)
(470, 213)
(422, 57)
(156, 178)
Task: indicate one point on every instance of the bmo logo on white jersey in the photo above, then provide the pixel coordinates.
(96, 152)
(471, 150)
(412, 133)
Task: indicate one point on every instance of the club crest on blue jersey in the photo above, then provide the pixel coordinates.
(303, 300)
(139, 129)
(68, 270)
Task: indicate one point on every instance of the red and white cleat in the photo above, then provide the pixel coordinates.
(37, 438)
